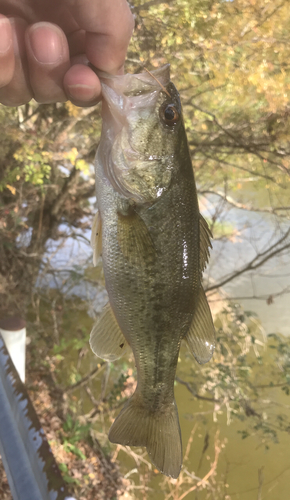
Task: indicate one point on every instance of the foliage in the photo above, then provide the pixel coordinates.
(230, 62)
(246, 372)
(74, 432)
(45, 179)
(244, 367)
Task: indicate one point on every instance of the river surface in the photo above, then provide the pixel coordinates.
(246, 470)
(255, 232)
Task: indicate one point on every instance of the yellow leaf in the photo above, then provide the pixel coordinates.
(11, 188)
(72, 109)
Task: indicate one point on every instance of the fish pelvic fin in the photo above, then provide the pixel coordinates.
(200, 337)
(159, 431)
(107, 340)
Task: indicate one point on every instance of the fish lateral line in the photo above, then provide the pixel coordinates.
(159, 83)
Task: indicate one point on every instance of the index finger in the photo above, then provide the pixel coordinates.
(7, 61)
(108, 25)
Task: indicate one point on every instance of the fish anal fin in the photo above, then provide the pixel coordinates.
(107, 340)
(158, 431)
(205, 236)
(200, 337)
(135, 240)
(96, 238)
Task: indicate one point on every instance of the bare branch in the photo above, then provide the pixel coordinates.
(85, 379)
(242, 206)
(198, 396)
(68, 184)
(256, 262)
(239, 167)
(269, 297)
(236, 140)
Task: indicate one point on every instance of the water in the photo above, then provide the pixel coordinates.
(268, 286)
(246, 469)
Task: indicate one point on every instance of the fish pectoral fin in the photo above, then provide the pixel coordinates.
(204, 235)
(200, 337)
(135, 240)
(107, 340)
(96, 238)
(159, 431)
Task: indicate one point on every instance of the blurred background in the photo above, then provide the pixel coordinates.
(230, 62)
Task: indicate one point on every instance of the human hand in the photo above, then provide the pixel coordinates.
(45, 47)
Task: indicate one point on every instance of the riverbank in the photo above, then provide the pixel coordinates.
(87, 469)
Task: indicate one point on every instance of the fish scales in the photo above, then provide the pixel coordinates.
(152, 256)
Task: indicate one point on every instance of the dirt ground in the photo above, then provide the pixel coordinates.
(92, 478)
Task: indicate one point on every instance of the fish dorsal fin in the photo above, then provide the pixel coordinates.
(135, 240)
(106, 339)
(205, 235)
(96, 238)
(201, 335)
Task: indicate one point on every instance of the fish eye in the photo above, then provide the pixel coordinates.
(169, 114)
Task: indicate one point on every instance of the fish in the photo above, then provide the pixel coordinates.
(154, 245)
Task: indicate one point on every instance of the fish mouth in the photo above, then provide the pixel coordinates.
(124, 156)
(125, 97)
(136, 84)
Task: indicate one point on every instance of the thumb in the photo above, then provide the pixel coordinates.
(108, 25)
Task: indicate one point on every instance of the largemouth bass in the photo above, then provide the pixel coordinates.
(154, 245)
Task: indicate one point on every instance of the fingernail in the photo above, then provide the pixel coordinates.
(46, 43)
(82, 92)
(5, 36)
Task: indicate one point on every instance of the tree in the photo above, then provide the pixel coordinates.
(230, 62)
(45, 180)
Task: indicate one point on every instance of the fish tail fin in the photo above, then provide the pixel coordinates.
(158, 431)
